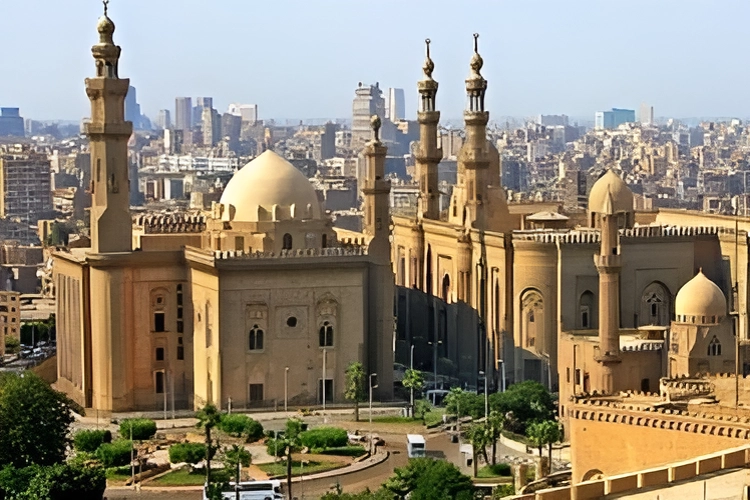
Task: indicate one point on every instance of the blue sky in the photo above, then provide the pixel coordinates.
(303, 59)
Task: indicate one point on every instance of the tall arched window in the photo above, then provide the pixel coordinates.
(326, 334)
(428, 281)
(714, 347)
(255, 338)
(532, 319)
(447, 288)
(287, 242)
(655, 305)
(586, 311)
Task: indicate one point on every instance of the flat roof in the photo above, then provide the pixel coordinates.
(415, 438)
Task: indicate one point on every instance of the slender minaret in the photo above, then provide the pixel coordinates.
(376, 192)
(609, 264)
(108, 133)
(474, 157)
(429, 153)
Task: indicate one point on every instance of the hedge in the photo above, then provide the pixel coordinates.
(239, 425)
(115, 454)
(90, 440)
(191, 453)
(324, 437)
(142, 428)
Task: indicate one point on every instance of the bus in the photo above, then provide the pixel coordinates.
(415, 445)
(252, 490)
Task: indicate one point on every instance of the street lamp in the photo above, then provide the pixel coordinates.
(486, 396)
(502, 365)
(286, 389)
(434, 360)
(411, 367)
(371, 388)
(325, 352)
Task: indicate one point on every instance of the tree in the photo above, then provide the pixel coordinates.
(35, 420)
(12, 345)
(466, 403)
(74, 479)
(290, 442)
(428, 479)
(535, 433)
(495, 424)
(527, 401)
(422, 407)
(236, 457)
(414, 381)
(208, 418)
(479, 437)
(355, 385)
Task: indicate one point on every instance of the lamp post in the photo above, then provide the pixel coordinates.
(502, 373)
(486, 396)
(434, 360)
(371, 388)
(411, 367)
(286, 388)
(323, 382)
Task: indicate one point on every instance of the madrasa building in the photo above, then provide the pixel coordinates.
(256, 301)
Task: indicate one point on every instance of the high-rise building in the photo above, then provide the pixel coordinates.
(368, 101)
(164, 119)
(613, 119)
(132, 108)
(183, 116)
(211, 127)
(231, 127)
(25, 182)
(201, 103)
(11, 122)
(248, 112)
(646, 114)
(552, 120)
(328, 141)
(396, 105)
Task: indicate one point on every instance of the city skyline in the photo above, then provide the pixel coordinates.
(661, 53)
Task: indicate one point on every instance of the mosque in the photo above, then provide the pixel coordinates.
(261, 301)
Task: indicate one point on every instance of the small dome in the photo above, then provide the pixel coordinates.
(610, 185)
(700, 301)
(105, 26)
(269, 184)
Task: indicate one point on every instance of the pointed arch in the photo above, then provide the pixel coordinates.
(428, 278)
(587, 311)
(532, 318)
(656, 305)
(446, 288)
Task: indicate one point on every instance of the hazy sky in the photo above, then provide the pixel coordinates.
(303, 58)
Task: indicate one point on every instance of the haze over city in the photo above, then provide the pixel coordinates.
(300, 59)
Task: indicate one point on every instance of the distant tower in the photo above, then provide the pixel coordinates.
(474, 157)
(610, 207)
(376, 192)
(428, 153)
(108, 133)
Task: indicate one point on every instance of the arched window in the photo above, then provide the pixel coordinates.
(428, 281)
(655, 305)
(326, 334)
(324, 241)
(255, 338)
(447, 288)
(714, 347)
(532, 318)
(287, 242)
(586, 311)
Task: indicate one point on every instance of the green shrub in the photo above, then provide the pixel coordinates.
(114, 454)
(90, 440)
(501, 469)
(191, 453)
(347, 451)
(143, 428)
(241, 425)
(324, 437)
(60, 481)
(275, 447)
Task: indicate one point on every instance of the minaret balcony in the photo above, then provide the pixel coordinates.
(428, 117)
(608, 261)
(113, 129)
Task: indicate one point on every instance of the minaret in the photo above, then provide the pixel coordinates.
(475, 154)
(108, 133)
(376, 192)
(609, 264)
(428, 153)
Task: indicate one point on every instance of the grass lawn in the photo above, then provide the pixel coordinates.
(183, 477)
(490, 471)
(434, 417)
(279, 468)
(346, 451)
(118, 474)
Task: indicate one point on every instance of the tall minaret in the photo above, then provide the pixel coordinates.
(609, 264)
(108, 133)
(376, 192)
(428, 153)
(475, 153)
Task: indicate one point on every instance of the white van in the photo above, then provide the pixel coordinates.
(253, 490)
(415, 445)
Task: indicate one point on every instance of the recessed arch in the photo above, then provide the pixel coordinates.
(446, 288)
(656, 305)
(587, 311)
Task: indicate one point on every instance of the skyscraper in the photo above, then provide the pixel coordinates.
(132, 108)
(183, 113)
(248, 112)
(646, 114)
(613, 119)
(11, 122)
(396, 104)
(164, 119)
(368, 101)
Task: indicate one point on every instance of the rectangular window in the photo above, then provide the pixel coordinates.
(577, 381)
(159, 321)
(180, 349)
(567, 374)
(329, 390)
(256, 393)
(180, 326)
(159, 382)
(179, 299)
(159, 354)
(179, 313)
(239, 243)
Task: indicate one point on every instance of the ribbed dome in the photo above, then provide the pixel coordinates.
(610, 187)
(270, 188)
(700, 301)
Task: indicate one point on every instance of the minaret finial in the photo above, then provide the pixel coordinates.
(428, 66)
(375, 125)
(106, 4)
(476, 60)
(476, 43)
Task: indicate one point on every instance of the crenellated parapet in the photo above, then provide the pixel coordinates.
(292, 254)
(170, 223)
(684, 388)
(591, 236)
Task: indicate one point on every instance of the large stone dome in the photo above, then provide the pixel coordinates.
(269, 188)
(610, 185)
(700, 301)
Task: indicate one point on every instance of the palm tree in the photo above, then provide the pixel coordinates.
(479, 438)
(208, 417)
(495, 425)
